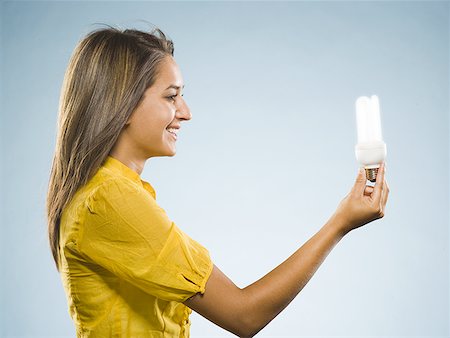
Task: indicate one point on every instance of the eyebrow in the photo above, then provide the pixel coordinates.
(174, 87)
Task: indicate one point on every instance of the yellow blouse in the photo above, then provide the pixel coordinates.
(125, 266)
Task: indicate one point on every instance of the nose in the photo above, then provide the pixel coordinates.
(183, 111)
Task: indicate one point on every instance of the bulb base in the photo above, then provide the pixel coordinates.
(371, 174)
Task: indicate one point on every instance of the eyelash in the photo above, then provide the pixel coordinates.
(173, 96)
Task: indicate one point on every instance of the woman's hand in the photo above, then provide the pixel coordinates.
(363, 204)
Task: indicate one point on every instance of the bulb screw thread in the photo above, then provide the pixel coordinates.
(371, 174)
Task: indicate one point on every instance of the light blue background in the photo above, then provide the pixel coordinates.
(266, 159)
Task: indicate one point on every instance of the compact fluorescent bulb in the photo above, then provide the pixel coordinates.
(370, 150)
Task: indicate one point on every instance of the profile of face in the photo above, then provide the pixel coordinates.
(152, 128)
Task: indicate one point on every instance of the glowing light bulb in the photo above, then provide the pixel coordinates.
(370, 150)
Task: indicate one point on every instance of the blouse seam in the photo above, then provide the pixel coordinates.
(80, 237)
(74, 296)
(207, 275)
(122, 176)
(162, 317)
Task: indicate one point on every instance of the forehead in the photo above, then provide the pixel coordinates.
(169, 74)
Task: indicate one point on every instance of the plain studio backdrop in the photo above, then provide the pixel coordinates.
(266, 158)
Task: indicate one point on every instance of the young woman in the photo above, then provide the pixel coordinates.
(127, 269)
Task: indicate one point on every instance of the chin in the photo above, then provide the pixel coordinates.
(171, 153)
(167, 153)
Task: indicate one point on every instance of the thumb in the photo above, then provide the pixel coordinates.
(360, 183)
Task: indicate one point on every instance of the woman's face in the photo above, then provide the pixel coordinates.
(161, 108)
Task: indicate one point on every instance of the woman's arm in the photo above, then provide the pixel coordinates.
(246, 311)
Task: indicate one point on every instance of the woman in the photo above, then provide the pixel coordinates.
(127, 269)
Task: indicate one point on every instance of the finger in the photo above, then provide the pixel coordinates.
(385, 194)
(368, 190)
(383, 199)
(360, 183)
(378, 188)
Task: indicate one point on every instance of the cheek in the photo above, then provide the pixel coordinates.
(142, 126)
(169, 117)
(153, 122)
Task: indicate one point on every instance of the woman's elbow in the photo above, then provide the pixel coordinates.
(248, 330)
(243, 326)
(248, 324)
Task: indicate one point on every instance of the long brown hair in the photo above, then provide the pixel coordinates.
(105, 79)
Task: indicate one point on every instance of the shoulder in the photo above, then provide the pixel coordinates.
(113, 190)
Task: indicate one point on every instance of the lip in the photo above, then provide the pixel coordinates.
(173, 135)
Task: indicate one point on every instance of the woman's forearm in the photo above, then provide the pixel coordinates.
(268, 296)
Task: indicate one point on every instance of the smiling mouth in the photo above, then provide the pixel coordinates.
(173, 134)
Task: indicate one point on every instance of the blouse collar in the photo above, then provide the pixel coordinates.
(116, 165)
(119, 167)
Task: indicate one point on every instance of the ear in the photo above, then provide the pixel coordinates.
(128, 121)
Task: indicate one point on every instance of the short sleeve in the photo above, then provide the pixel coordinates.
(130, 235)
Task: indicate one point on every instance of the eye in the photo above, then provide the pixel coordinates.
(172, 97)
